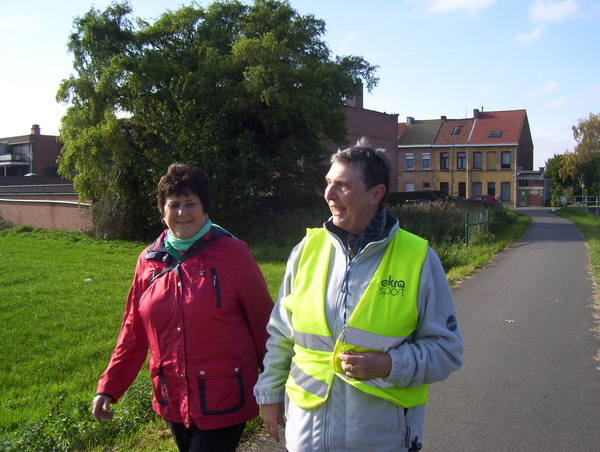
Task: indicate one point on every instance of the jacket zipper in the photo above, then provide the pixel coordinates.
(213, 272)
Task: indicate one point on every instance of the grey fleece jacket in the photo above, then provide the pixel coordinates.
(351, 420)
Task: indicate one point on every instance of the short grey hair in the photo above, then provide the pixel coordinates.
(375, 165)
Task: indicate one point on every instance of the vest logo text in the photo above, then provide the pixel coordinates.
(393, 287)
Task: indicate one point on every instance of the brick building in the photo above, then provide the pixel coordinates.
(29, 154)
(31, 192)
(490, 153)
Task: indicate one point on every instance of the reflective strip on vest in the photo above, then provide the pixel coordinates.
(372, 341)
(385, 316)
(308, 383)
(314, 341)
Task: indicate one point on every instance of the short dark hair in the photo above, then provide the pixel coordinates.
(375, 165)
(184, 179)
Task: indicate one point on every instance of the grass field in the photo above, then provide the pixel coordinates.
(62, 298)
(61, 301)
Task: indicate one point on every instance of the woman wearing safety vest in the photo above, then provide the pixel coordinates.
(364, 321)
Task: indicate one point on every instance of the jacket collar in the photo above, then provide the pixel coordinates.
(158, 250)
(380, 228)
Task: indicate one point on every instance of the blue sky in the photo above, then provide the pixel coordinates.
(435, 57)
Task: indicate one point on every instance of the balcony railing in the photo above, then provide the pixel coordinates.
(13, 158)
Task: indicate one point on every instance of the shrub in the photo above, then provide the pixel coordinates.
(23, 228)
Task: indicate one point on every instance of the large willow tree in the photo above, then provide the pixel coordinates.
(250, 93)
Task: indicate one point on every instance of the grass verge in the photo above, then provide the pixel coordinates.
(589, 225)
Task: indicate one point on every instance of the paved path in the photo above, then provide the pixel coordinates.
(264, 443)
(531, 376)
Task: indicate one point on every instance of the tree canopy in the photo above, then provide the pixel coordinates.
(249, 93)
(582, 166)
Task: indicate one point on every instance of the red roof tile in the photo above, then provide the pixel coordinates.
(445, 136)
(401, 127)
(510, 123)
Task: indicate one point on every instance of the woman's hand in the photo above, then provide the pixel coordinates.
(101, 408)
(272, 415)
(367, 365)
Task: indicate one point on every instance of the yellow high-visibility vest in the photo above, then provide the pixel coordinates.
(385, 316)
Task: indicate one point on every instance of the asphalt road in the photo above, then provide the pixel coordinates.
(531, 374)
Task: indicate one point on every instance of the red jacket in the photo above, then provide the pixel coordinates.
(205, 325)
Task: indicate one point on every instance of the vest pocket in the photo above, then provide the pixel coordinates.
(221, 387)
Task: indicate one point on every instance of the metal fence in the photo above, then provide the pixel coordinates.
(580, 200)
(476, 223)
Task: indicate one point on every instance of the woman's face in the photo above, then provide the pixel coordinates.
(184, 215)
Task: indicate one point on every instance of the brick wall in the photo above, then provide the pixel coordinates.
(381, 129)
(47, 214)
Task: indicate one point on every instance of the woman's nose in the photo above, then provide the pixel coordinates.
(329, 192)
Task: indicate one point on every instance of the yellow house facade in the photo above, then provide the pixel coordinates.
(466, 157)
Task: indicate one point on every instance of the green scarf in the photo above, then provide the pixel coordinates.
(174, 244)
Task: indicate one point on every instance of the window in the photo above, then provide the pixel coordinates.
(491, 188)
(491, 160)
(505, 160)
(455, 131)
(461, 160)
(426, 161)
(495, 134)
(409, 186)
(444, 187)
(477, 160)
(462, 189)
(523, 183)
(505, 191)
(426, 186)
(410, 162)
(444, 160)
(476, 188)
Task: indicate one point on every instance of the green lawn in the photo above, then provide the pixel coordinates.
(61, 302)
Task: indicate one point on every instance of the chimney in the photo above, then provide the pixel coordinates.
(409, 120)
(443, 118)
(35, 129)
(475, 113)
(356, 100)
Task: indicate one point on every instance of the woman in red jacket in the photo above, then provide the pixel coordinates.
(200, 305)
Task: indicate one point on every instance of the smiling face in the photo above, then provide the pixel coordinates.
(352, 205)
(184, 215)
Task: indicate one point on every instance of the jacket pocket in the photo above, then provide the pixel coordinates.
(159, 384)
(215, 281)
(221, 387)
(414, 427)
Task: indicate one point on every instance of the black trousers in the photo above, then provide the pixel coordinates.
(193, 439)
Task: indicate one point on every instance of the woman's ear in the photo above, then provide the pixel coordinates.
(378, 192)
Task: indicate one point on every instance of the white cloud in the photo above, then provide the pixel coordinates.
(497, 70)
(29, 24)
(586, 99)
(543, 90)
(471, 6)
(552, 10)
(528, 38)
(348, 41)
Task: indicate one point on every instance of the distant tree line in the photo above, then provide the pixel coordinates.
(577, 173)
